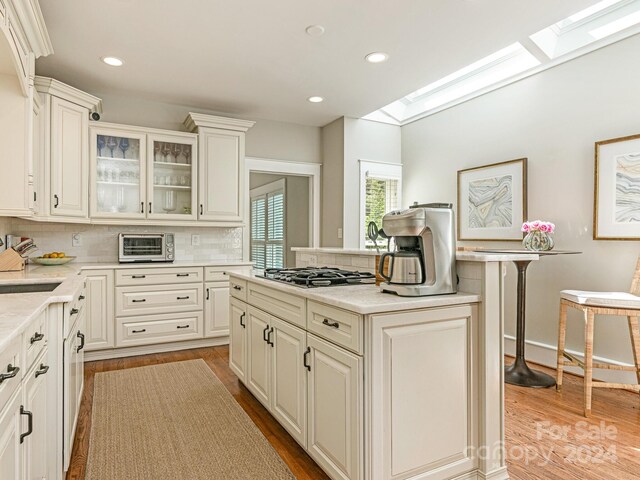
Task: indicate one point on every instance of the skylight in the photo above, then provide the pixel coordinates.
(599, 25)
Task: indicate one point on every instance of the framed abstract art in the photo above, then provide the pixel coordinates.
(492, 201)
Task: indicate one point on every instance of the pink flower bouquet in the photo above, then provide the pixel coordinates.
(538, 225)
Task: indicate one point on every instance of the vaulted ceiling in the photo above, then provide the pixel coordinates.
(253, 59)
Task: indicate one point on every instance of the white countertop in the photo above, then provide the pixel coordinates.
(18, 309)
(467, 256)
(362, 299)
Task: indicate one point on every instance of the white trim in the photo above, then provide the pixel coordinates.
(285, 167)
(544, 354)
(273, 187)
(385, 170)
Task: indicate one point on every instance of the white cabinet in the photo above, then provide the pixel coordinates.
(64, 177)
(335, 404)
(100, 318)
(216, 310)
(238, 338)
(289, 378)
(258, 374)
(73, 382)
(36, 400)
(10, 448)
(221, 175)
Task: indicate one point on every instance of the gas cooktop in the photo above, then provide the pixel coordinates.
(318, 277)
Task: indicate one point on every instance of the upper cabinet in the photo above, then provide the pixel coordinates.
(63, 180)
(221, 172)
(142, 173)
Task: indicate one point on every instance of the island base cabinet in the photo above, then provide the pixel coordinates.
(335, 403)
(423, 408)
(238, 338)
(10, 430)
(35, 402)
(258, 375)
(73, 384)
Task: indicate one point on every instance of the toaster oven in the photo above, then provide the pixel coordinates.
(146, 247)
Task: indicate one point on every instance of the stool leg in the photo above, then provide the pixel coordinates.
(588, 360)
(562, 332)
(635, 343)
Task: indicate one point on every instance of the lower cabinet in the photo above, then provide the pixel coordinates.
(258, 375)
(100, 318)
(73, 384)
(151, 329)
(36, 400)
(10, 431)
(238, 338)
(216, 310)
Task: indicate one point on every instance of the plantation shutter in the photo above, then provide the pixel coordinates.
(268, 226)
(381, 196)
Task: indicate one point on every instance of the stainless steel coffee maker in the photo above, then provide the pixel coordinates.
(424, 262)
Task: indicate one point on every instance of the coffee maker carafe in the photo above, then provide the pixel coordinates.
(425, 260)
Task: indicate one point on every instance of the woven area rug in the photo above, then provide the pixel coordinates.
(174, 421)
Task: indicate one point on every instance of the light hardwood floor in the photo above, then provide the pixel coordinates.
(547, 437)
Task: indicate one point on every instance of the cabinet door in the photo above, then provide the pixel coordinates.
(35, 401)
(118, 173)
(221, 174)
(238, 338)
(335, 406)
(69, 159)
(100, 320)
(216, 310)
(73, 384)
(10, 448)
(289, 379)
(171, 177)
(258, 377)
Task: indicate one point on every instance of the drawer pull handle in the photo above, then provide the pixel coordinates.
(242, 324)
(11, 372)
(36, 337)
(138, 300)
(29, 425)
(201, 210)
(304, 358)
(138, 276)
(207, 294)
(182, 326)
(141, 207)
(237, 287)
(74, 311)
(150, 209)
(182, 274)
(139, 331)
(81, 297)
(269, 337)
(55, 205)
(43, 369)
(81, 337)
(183, 298)
(330, 324)
(264, 334)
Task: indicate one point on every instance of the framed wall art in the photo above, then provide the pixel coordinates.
(616, 214)
(492, 201)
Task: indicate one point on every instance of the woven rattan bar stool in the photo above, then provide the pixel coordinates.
(592, 304)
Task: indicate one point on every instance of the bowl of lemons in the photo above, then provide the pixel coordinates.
(53, 258)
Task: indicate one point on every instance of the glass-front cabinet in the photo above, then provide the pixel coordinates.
(172, 180)
(135, 174)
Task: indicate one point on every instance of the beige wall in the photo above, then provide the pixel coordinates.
(296, 209)
(266, 139)
(553, 118)
(332, 183)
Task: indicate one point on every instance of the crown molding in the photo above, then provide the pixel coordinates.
(54, 87)
(31, 21)
(197, 120)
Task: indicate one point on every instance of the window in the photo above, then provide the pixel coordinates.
(267, 225)
(380, 192)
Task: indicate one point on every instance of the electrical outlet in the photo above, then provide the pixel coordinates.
(195, 240)
(339, 233)
(76, 240)
(313, 261)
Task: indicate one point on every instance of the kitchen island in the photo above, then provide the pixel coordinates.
(376, 386)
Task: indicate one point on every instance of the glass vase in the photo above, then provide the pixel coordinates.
(538, 241)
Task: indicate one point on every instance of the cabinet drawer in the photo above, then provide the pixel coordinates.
(158, 299)
(238, 289)
(284, 305)
(220, 274)
(34, 339)
(339, 326)
(158, 276)
(158, 329)
(10, 355)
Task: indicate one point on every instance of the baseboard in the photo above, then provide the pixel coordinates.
(158, 348)
(499, 474)
(547, 355)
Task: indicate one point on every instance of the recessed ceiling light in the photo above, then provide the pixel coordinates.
(113, 61)
(315, 99)
(315, 30)
(377, 57)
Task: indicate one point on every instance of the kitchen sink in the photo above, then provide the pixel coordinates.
(28, 287)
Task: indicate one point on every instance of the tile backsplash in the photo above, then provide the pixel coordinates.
(100, 242)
